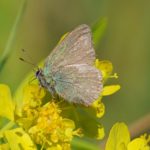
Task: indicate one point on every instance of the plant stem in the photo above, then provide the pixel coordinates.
(140, 126)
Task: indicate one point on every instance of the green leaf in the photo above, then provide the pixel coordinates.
(11, 39)
(118, 137)
(98, 30)
(6, 103)
(18, 139)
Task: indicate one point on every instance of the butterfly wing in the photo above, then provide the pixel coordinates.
(75, 48)
(71, 65)
(79, 83)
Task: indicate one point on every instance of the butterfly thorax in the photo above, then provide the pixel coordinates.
(46, 82)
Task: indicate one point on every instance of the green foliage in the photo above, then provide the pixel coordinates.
(11, 39)
(98, 30)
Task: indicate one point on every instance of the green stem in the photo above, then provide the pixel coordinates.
(12, 36)
(98, 30)
(140, 126)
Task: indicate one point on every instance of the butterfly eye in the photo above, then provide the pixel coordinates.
(37, 73)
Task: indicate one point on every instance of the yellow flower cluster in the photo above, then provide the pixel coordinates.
(40, 122)
(44, 123)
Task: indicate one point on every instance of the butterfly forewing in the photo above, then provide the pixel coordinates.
(76, 48)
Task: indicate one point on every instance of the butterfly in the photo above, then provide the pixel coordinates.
(69, 69)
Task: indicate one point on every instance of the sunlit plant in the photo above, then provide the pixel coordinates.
(32, 119)
(39, 122)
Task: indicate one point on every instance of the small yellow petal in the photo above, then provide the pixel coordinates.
(68, 123)
(118, 137)
(18, 138)
(138, 144)
(110, 89)
(99, 107)
(105, 67)
(63, 37)
(101, 133)
(100, 111)
(146, 137)
(6, 102)
(97, 102)
(4, 147)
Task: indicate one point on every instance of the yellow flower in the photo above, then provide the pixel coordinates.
(110, 89)
(51, 128)
(99, 107)
(31, 102)
(18, 139)
(101, 132)
(33, 95)
(6, 102)
(106, 68)
(44, 123)
(119, 139)
(140, 143)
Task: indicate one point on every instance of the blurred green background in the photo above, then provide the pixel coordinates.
(126, 43)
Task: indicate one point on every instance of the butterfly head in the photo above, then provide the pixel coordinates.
(44, 82)
(38, 72)
(39, 75)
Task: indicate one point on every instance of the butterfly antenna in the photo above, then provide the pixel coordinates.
(28, 62)
(27, 54)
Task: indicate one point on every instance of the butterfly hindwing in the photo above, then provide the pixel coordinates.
(78, 83)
